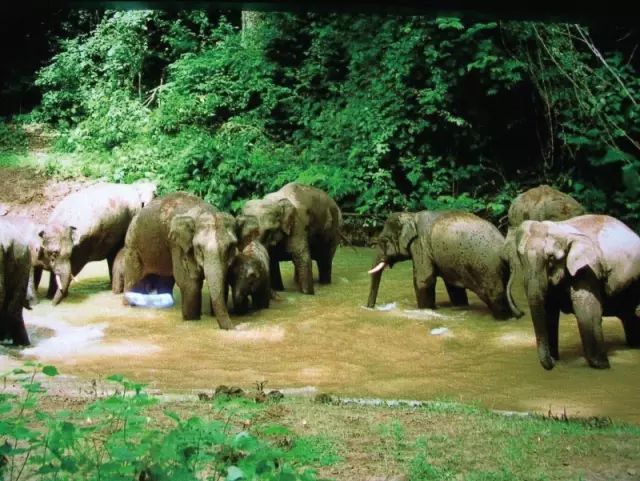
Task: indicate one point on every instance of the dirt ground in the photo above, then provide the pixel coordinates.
(25, 191)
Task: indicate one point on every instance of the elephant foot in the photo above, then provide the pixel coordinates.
(547, 362)
(426, 305)
(599, 363)
(226, 325)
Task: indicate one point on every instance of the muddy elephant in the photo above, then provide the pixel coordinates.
(249, 277)
(543, 203)
(29, 235)
(298, 223)
(90, 225)
(539, 203)
(181, 235)
(588, 265)
(460, 247)
(15, 266)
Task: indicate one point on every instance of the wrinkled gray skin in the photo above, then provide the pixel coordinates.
(298, 223)
(460, 247)
(249, 277)
(539, 203)
(117, 273)
(588, 265)
(181, 235)
(29, 234)
(15, 266)
(89, 225)
(543, 203)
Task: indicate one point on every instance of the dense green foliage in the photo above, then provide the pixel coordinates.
(383, 112)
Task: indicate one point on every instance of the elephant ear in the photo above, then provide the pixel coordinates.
(288, 214)
(583, 252)
(181, 231)
(523, 234)
(247, 228)
(408, 232)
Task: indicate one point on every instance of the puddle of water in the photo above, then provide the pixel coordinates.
(328, 342)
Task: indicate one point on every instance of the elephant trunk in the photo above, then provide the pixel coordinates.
(536, 291)
(512, 303)
(510, 258)
(376, 275)
(216, 278)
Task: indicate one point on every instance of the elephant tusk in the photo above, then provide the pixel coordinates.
(378, 268)
(59, 281)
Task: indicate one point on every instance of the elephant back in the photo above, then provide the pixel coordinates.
(543, 203)
(148, 233)
(466, 249)
(320, 212)
(12, 241)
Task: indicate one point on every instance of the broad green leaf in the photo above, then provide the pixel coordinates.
(50, 370)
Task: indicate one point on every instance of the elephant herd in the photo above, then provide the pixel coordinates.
(571, 261)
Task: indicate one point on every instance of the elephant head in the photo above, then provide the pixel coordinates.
(247, 230)
(146, 191)
(551, 255)
(275, 221)
(392, 246)
(206, 245)
(57, 245)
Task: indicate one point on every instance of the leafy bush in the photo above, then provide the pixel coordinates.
(12, 138)
(114, 438)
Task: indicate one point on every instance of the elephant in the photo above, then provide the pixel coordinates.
(587, 265)
(90, 225)
(181, 235)
(29, 234)
(539, 203)
(249, 276)
(543, 203)
(15, 267)
(460, 247)
(299, 223)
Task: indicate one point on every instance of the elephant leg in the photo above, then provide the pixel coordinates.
(302, 262)
(133, 271)
(53, 286)
(111, 257)
(424, 284)
(587, 306)
(324, 269)
(457, 295)
(15, 301)
(553, 324)
(37, 276)
(32, 293)
(631, 325)
(191, 291)
(276, 276)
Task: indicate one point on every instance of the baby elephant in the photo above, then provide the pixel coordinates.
(249, 276)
